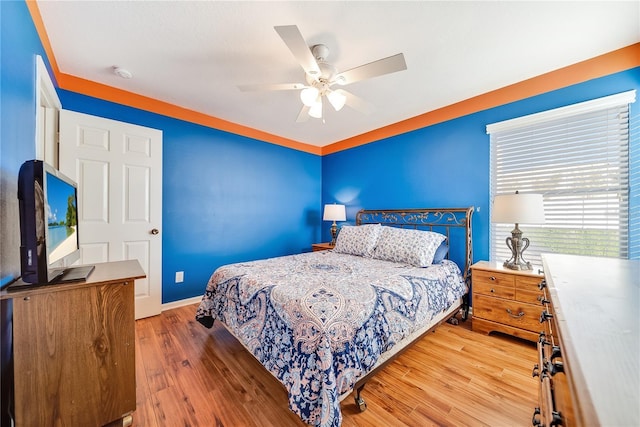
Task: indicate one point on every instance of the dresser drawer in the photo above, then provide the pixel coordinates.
(491, 289)
(531, 297)
(492, 278)
(508, 312)
(528, 283)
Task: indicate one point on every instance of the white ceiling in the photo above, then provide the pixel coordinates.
(194, 54)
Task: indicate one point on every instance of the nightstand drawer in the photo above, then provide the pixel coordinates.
(528, 290)
(492, 277)
(491, 289)
(507, 312)
(528, 283)
(531, 297)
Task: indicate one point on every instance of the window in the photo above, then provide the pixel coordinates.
(577, 157)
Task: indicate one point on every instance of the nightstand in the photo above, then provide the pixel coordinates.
(321, 246)
(505, 300)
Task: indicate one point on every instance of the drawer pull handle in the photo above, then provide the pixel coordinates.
(542, 338)
(543, 300)
(517, 316)
(536, 371)
(556, 418)
(492, 278)
(542, 284)
(554, 368)
(535, 421)
(544, 316)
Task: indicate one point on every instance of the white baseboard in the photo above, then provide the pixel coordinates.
(181, 303)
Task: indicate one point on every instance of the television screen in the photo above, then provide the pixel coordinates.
(49, 229)
(62, 218)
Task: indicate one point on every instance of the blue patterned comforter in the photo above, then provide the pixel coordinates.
(319, 321)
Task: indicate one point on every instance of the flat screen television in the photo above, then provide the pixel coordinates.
(49, 232)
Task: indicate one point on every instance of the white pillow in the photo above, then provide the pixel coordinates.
(357, 240)
(409, 246)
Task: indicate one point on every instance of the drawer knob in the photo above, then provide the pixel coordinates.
(542, 284)
(492, 278)
(536, 371)
(492, 290)
(516, 316)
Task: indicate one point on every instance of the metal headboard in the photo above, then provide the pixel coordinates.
(439, 220)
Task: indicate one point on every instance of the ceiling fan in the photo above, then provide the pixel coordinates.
(321, 76)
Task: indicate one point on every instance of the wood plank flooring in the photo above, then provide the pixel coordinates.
(187, 375)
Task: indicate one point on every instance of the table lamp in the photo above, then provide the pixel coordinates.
(518, 209)
(334, 213)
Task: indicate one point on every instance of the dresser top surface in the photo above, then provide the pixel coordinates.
(499, 267)
(104, 273)
(595, 302)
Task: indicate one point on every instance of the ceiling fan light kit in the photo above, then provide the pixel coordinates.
(316, 109)
(309, 96)
(337, 99)
(321, 75)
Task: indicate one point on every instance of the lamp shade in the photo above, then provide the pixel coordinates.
(518, 209)
(334, 213)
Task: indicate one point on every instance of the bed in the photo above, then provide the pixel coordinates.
(324, 322)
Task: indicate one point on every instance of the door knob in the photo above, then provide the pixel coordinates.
(155, 231)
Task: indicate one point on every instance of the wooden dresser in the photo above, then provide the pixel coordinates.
(505, 300)
(74, 349)
(589, 363)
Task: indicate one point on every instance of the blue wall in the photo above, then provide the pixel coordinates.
(18, 44)
(447, 165)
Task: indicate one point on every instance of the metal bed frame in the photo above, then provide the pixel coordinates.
(443, 221)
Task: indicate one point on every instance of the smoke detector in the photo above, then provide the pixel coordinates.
(122, 72)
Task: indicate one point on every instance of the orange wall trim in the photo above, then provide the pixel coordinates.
(119, 96)
(613, 62)
(600, 66)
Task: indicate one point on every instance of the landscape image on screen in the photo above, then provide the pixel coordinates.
(62, 219)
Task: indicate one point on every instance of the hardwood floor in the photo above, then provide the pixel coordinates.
(187, 375)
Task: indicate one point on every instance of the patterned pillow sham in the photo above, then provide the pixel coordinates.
(357, 240)
(409, 246)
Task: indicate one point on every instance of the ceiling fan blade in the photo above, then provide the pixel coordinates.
(304, 115)
(356, 102)
(280, 86)
(296, 44)
(380, 67)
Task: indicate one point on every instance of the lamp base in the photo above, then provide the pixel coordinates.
(520, 265)
(334, 233)
(517, 244)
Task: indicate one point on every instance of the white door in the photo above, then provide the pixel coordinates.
(118, 168)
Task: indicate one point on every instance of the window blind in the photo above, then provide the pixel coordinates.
(577, 157)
